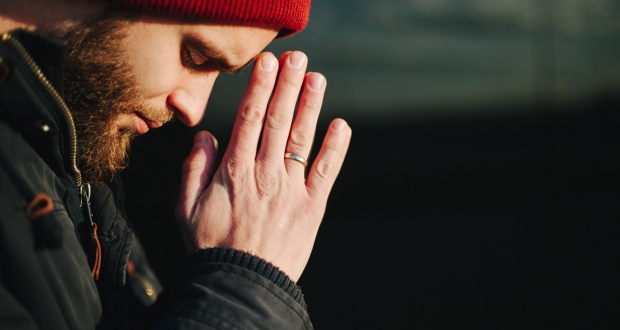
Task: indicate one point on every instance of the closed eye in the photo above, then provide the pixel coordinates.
(191, 62)
(197, 57)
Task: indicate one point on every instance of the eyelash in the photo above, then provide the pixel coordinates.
(187, 61)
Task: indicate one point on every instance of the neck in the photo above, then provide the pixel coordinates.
(53, 18)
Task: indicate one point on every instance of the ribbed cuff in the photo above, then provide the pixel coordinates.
(247, 261)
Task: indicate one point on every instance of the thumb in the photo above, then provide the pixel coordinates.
(197, 172)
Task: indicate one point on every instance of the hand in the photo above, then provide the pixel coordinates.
(258, 201)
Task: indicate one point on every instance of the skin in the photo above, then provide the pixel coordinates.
(155, 46)
(256, 201)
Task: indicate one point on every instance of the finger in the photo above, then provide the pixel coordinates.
(304, 125)
(329, 160)
(281, 109)
(282, 61)
(284, 57)
(249, 122)
(197, 172)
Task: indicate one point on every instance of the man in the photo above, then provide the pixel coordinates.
(249, 225)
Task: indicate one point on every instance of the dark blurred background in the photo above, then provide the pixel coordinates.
(481, 186)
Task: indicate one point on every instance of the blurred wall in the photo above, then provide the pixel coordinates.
(403, 58)
(481, 185)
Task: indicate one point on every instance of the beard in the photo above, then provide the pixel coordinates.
(99, 87)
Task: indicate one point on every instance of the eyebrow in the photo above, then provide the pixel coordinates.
(215, 55)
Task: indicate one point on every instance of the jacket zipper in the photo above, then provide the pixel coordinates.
(9, 39)
(84, 189)
(77, 175)
(148, 288)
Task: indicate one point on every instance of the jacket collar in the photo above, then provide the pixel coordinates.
(49, 53)
(27, 106)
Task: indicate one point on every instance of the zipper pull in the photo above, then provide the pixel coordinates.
(88, 232)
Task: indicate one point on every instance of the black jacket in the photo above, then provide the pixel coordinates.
(47, 255)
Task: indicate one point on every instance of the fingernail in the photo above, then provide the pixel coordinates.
(297, 59)
(339, 125)
(268, 63)
(215, 144)
(315, 81)
(200, 140)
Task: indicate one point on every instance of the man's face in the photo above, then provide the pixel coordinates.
(175, 63)
(128, 74)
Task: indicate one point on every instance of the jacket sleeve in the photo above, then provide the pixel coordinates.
(229, 289)
(217, 289)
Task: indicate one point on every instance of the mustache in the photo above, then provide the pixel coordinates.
(160, 115)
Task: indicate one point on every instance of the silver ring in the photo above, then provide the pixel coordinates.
(296, 158)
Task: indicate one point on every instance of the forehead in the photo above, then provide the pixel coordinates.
(236, 43)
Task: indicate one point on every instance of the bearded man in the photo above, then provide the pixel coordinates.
(68, 111)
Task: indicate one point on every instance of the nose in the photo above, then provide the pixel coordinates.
(189, 99)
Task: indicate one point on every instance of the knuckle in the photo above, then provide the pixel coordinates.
(312, 103)
(299, 139)
(262, 82)
(324, 169)
(266, 183)
(252, 113)
(290, 81)
(333, 145)
(277, 119)
(187, 166)
(235, 171)
(190, 165)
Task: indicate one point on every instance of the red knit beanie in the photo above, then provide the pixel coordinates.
(291, 16)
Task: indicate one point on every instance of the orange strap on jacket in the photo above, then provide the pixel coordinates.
(97, 265)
